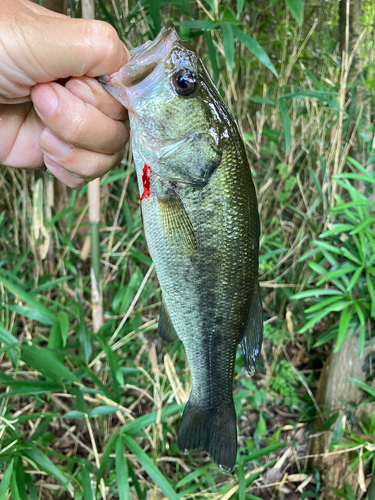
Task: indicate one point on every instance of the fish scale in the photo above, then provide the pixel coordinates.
(201, 224)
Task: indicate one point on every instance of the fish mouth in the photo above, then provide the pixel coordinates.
(145, 61)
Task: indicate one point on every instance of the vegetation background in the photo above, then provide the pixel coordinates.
(89, 415)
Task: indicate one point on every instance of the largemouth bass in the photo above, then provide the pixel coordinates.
(201, 224)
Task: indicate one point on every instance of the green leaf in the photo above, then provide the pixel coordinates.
(192, 476)
(48, 316)
(228, 41)
(102, 411)
(6, 481)
(212, 5)
(105, 456)
(86, 484)
(365, 387)
(328, 302)
(241, 482)
(7, 338)
(262, 426)
(315, 292)
(240, 5)
(328, 423)
(363, 225)
(122, 470)
(338, 432)
(51, 284)
(336, 229)
(46, 464)
(199, 25)
(343, 326)
(317, 317)
(254, 48)
(155, 16)
(264, 451)
(151, 469)
(296, 9)
(315, 94)
(29, 312)
(372, 294)
(84, 334)
(113, 364)
(64, 326)
(145, 420)
(44, 361)
(213, 56)
(355, 278)
(261, 100)
(286, 124)
(15, 495)
(75, 414)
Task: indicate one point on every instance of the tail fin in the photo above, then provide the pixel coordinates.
(214, 430)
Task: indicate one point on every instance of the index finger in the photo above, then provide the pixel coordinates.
(91, 92)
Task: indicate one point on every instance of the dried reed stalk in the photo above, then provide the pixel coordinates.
(88, 12)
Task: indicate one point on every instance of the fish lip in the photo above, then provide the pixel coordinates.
(143, 61)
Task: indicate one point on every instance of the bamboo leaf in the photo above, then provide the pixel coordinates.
(48, 316)
(254, 48)
(84, 334)
(151, 469)
(122, 470)
(6, 481)
(343, 326)
(44, 361)
(296, 9)
(286, 124)
(228, 42)
(86, 484)
(240, 5)
(365, 387)
(45, 464)
(7, 338)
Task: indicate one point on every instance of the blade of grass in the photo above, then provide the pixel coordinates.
(122, 470)
(151, 469)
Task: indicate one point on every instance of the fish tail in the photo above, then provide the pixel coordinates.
(212, 429)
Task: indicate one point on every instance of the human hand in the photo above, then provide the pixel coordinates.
(76, 130)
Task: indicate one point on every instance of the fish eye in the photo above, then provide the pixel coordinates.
(184, 82)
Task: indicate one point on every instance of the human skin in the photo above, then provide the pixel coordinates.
(73, 127)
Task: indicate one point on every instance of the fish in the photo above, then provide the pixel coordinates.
(201, 223)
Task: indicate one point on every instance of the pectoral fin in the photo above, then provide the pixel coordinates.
(253, 332)
(166, 329)
(176, 225)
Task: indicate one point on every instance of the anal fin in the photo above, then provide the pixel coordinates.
(166, 329)
(175, 223)
(253, 333)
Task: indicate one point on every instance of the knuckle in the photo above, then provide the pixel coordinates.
(103, 36)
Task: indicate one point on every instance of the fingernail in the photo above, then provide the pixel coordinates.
(54, 146)
(81, 90)
(47, 100)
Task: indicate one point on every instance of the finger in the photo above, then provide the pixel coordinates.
(76, 122)
(63, 175)
(65, 47)
(41, 11)
(90, 91)
(79, 162)
(20, 129)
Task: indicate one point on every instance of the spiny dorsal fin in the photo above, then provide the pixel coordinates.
(166, 329)
(253, 333)
(176, 225)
